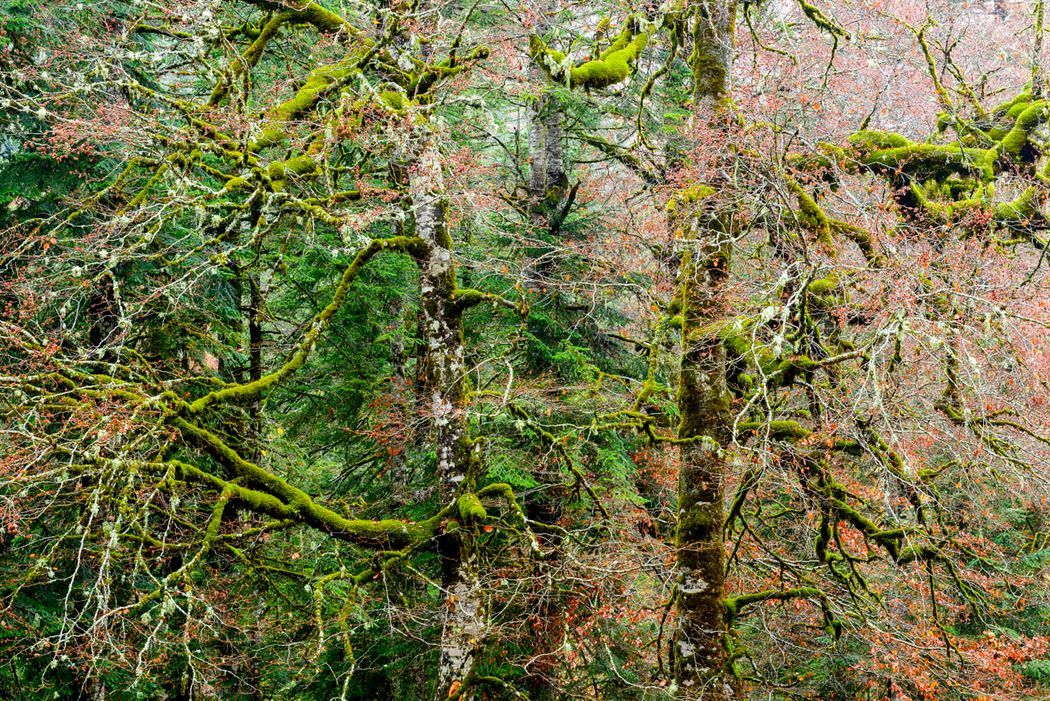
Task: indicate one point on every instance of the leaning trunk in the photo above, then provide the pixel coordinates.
(701, 638)
(445, 389)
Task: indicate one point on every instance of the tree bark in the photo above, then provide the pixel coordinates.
(444, 384)
(547, 178)
(700, 647)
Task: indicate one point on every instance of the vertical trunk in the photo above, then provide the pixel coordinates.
(446, 395)
(255, 334)
(553, 154)
(537, 163)
(547, 178)
(700, 644)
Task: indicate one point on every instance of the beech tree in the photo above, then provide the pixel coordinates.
(470, 350)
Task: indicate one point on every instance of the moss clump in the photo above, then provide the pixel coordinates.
(299, 165)
(878, 140)
(470, 508)
(824, 285)
(690, 195)
(395, 100)
(810, 214)
(614, 65)
(1024, 208)
(1013, 144)
(611, 67)
(319, 83)
(1005, 107)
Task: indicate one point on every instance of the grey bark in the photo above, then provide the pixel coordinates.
(445, 388)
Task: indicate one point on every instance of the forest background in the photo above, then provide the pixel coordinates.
(370, 349)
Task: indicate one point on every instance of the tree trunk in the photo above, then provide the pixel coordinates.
(700, 649)
(445, 388)
(547, 179)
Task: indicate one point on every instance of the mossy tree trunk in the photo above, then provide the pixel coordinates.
(446, 393)
(700, 644)
(548, 181)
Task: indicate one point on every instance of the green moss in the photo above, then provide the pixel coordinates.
(697, 523)
(299, 165)
(823, 286)
(241, 393)
(1017, 109)
(614, 65)
(821, 20)
(1005, 107)
(619, 43)
(810, 214)
(1020, 210)
(470, 508)
(689, 195)
(277, 498)
(878, 140)
(933, 160)
(318, 83)
(236, 184)
(395, 100)
(780, 429)
(612, 69)
(1028, 120)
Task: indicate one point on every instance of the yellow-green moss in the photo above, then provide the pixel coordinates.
(1024, 208)
(470, 508)
(395, 100)
(1028, 119)
(878, 140)
(614, 65)
(689, 195)
(824, 285)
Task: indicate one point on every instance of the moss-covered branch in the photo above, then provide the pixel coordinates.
(241, 393)
(277, 498)
(613, 65)
(736, 604)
